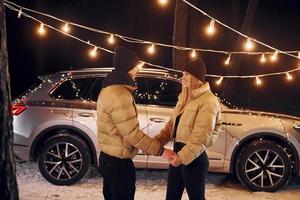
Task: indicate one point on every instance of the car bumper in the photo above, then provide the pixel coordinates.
(21, 152)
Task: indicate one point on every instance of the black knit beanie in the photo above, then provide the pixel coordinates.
(196, 68)
(124, 59)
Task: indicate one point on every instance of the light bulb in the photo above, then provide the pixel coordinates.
(163, 2)
(219, 81)
(20, 13)
(274, 56)
(211, 28)
(227, 61)
(41, 29)
(111, 39)
(263, 58)
(289, 77)
(249, 45)
(258, 81)
(193, 54)
(93, 52)
(151, 49)
(66, 28)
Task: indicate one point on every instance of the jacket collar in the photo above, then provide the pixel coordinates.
(199, 91)
(119, 78)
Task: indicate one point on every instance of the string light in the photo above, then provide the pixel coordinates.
(141, 64)
(111, 39)
(227, 61)
(163, 2)
(258, 81)
(135, 40)
(193, 54)
(20, 13)
(249, 45)
(232, 29)
(93, 52)
(151, 49)
(263, 58)
(219, 81)
(66, 28)
(289, 77)
(274, 56)
(211, 28)
(41, 29)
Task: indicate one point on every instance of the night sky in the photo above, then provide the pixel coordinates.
(276, 22)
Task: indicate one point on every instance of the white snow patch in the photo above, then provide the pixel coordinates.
(150, 184)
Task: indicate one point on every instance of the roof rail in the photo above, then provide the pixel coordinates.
(100, 69)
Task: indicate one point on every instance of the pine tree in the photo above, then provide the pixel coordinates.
(8, 182)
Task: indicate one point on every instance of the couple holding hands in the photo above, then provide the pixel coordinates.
(194, 121)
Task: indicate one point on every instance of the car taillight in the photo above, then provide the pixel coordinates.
(18, 109)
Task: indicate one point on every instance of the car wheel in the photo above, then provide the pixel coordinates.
(64, 159)
(263, 166)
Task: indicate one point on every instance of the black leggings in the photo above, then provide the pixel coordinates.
(118, 177)
(191, 177)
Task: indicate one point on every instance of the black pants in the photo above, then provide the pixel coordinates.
(118, 177)
(191, 177)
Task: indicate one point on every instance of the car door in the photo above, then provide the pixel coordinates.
(84, 114)
(140, 96)
(162, 96)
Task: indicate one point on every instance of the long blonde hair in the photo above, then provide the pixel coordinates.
(187, 92)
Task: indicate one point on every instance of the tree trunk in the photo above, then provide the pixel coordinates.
(230, 85)
(180, 32)
(8, 182)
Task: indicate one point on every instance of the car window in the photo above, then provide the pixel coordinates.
(140, 94)
(163, 92)
(95, 88)
(73, 89)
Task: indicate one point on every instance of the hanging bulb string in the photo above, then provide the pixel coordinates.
(140, 41)
(236, 31)
(58, 30)
(150, 64)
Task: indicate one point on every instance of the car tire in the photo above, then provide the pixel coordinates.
(263, 166)
(64, 159)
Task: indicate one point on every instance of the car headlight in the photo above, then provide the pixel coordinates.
(297, 127)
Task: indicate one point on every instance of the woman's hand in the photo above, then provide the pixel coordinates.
(175, 161)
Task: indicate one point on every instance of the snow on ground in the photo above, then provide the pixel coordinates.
(151, 184)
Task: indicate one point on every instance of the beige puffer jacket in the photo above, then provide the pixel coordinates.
(199, 121)
(118, 132)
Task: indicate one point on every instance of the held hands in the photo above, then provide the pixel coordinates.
(172, 157)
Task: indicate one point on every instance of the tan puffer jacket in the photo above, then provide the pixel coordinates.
(119, 134)
(199, 121)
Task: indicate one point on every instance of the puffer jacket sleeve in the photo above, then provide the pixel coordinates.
(124, 115)
(202, 132)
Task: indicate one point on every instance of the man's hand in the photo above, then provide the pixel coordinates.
(175, 161)
(168, 154)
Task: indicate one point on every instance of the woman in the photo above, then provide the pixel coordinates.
(191, 126)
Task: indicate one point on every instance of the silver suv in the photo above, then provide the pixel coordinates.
(55, 125)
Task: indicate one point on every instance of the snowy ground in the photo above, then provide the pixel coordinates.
(151, 184)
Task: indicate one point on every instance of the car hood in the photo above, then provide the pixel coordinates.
(267, 114)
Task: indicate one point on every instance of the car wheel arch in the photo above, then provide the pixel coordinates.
(44, 135)
(265, 136)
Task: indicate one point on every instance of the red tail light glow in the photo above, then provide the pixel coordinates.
(18, 109)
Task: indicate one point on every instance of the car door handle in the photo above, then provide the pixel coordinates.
(231, 124)
(85, 114)
(157, 120)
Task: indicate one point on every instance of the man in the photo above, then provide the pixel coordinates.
(119, 135)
